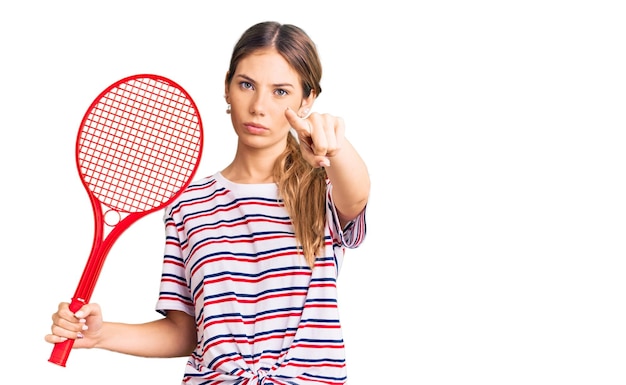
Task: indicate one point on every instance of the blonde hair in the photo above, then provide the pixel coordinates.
(303, 190)
(301, 186)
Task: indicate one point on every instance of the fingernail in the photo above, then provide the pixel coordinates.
(78, 314)
(79, 335)
(85, 327)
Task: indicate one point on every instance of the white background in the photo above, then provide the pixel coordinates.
(494, 135)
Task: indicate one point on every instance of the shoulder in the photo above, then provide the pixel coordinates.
(197, 191)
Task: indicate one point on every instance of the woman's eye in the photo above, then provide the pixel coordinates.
(246, 85)
(281, 92)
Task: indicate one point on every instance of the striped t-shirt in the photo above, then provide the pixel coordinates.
(262, 315)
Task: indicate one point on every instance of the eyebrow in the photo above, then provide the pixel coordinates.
(249, 79)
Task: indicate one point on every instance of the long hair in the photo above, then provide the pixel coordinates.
(301, 186)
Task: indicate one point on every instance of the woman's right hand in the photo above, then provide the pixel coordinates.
(83, 326)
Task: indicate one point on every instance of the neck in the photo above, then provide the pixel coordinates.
(251, 167)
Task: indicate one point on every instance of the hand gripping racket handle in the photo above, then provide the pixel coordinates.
(86, 285)
(61, 350)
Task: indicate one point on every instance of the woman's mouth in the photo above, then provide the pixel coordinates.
(255, 128)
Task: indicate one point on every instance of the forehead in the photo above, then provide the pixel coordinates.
(267, 65)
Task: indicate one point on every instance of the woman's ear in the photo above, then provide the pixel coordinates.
(226, 87)
(307, 105)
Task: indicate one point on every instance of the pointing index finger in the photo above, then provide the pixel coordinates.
(299, 124)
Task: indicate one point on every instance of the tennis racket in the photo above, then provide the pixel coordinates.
(138, 146)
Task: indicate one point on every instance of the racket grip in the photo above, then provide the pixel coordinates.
(61, 351)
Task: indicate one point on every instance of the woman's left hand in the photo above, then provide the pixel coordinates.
(320, 136)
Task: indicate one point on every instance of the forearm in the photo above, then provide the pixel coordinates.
(161, 338)
(351, 182)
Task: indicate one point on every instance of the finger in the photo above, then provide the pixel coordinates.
(54, 339)
(322, 161)
(64, 312)
(87, 310)
(62, 333)
(335, 131)
(64, 308)
(301, 126)
(330, 132)
(318, 134)
(66, 319)
(72, 323)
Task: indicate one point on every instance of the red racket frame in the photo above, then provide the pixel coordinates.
(102, 243)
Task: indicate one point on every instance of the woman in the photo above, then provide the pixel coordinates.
(252, 253)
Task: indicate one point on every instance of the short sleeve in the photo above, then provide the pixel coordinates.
(174, 293)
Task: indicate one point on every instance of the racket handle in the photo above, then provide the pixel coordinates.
(61, 350)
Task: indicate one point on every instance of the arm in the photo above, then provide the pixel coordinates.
(324, 144)
(351, 183)
(172, 336)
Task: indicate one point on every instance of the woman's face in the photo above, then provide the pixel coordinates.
(262, 88)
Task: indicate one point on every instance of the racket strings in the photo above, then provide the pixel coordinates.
(139, 144)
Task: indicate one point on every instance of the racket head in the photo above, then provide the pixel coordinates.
(139, 145)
